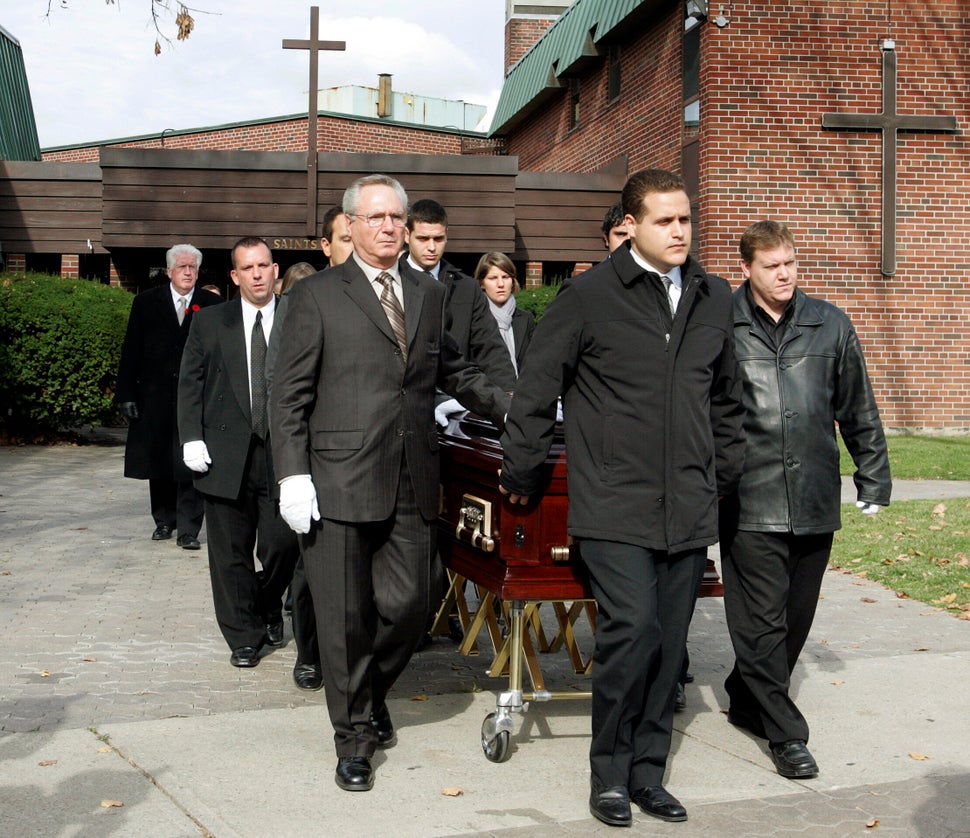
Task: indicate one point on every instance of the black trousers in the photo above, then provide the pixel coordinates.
(245, 601)
(303, 618)
(771, 587)
(645, 600)
(179, 505)
(371, 588)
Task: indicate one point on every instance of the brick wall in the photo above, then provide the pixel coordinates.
(650, 85)
(520, 34)
(334, 134)
(766, 79)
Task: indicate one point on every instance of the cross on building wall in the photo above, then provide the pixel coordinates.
(314, 45)
(889, 122)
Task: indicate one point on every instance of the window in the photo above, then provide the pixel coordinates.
(573, 103)
(692, 75)
(613, 74)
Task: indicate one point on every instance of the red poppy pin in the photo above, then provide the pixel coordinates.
(195, 307)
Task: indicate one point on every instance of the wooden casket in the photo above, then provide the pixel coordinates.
(516, 552)
(517, 557)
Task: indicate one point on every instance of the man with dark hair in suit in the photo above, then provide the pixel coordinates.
(147, 390)
(469, 320)
(641, 349)
(355, 446)
(335, 242)
(222, 417)
(614, 227)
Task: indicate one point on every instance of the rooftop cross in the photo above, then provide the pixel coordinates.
(314, 45)
(888, 123)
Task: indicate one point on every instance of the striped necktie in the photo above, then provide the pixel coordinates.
(394, 311)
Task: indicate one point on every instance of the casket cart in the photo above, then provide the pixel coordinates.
(517, 557)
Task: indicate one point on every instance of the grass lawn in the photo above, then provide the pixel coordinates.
(918, 548)
(923, 457)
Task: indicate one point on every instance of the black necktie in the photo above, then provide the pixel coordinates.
(394, 311)
(257, 376)
(670, 300)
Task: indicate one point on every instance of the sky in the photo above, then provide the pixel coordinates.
(93, 73)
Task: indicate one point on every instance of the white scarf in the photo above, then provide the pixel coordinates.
(503, 317)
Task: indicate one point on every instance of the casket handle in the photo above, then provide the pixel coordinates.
(475, 523)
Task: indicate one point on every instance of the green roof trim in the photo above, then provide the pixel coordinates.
(18, 130)
(572, 40)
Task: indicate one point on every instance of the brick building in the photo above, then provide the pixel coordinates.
(735, 98)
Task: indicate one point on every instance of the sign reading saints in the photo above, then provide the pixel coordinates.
(295, 244)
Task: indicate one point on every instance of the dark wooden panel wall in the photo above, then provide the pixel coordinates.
(150, 198)
(558, 217)
(50, 207)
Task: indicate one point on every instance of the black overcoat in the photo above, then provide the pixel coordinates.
(148, 376)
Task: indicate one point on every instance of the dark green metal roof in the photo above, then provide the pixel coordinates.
(566, 46)
(18, 131)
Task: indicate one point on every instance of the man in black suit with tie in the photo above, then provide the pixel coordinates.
(468, 319)
(147, 390)
(222, 413)
(355, 446)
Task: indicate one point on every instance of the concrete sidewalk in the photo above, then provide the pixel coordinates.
(115, 686)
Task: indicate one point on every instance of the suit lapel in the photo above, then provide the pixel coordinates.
(413, 301)
(232, 338)
(360, 291)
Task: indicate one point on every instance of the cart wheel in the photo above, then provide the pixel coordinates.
(495, 743)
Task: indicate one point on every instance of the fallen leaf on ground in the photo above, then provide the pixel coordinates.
(5, 573)
(939, 509)
(837, 683)
(111, 804)
(44, 674)
(917, 755)
(89, 659)
(453, 791)
(105, 750)
(902, 595)
(419, 698)
(921, 649)
(46, 762)
(867, 599)
(943, 600)
(871, 823)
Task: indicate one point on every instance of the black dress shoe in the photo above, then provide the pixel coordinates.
(380, 720)
(747, 722)
(354, 774)
(188, 542)
(245, 656)
(308, 676)
(611, 806)
(680, 699)
(794, 760)
(688, 677)
(657, 802)
(162, 532)
(274, 633)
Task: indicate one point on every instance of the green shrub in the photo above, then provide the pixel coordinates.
(536, 299)
(60, 343)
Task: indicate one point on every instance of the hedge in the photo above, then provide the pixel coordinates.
(60, 344)
(536, 299)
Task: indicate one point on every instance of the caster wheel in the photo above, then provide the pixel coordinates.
(495, 743)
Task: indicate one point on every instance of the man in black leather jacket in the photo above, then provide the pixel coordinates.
(803, 371)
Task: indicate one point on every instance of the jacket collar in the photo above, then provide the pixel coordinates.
(629, 271)
(808, 311)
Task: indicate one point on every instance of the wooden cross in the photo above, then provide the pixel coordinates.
(314, 45)
(888, 123)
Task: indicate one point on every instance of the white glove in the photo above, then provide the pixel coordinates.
(559, 410)
(196, 456)
(446, 409)
(868, 508)
(298, 502)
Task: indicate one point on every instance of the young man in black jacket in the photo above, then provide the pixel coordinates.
(652, 417)
(803, 371)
